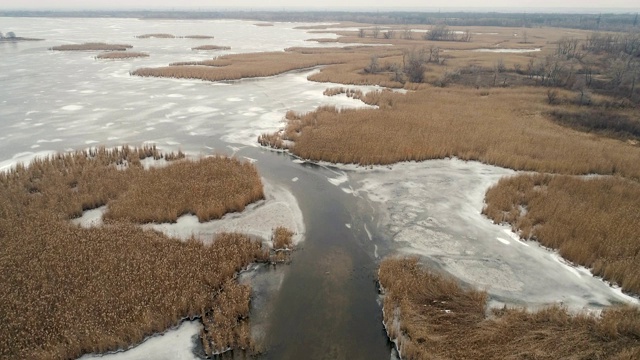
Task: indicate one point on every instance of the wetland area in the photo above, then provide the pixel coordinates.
(325, 301)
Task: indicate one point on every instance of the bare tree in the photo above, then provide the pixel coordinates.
(414, 66)
(361, 33)
(373, 67)
(11, 35)
(466, 36)
(407, 34)
(389, 34)
(376, 32)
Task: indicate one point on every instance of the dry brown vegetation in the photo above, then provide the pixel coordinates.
(239, 66)
(352, 93)
(92, 47)
(208, 188)
(503, 127)
(69, 290)
(157, 36)
(211, 47)
(433, 317)
(592, 222)
(282, 238)
(122, 55)
(199, 37)
(263, 24)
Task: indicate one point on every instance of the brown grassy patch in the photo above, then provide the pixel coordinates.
(282, 238)
(432, 317)
(208, 188)
(239, 66)
(505, 128)
(156, 36)
(69, 291)
(199, 37)
(122, 55)
(211, 47)
(591, 222)
(92, 47)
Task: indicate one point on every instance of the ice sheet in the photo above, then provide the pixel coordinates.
(433, 209)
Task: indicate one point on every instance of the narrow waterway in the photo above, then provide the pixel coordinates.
(326, 307)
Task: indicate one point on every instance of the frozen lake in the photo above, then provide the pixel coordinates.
(324, 304)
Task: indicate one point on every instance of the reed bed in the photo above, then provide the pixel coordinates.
(211, 47)
(92, 47)
(199, 37)
(115, 55)
(591, 222)
(240, 66)
(282, 238)
(209, 188)
(156, 36)
(432, 317)
(352, 93)
(68, 291)
(503, 128)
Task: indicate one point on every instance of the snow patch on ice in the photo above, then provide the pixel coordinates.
(174, 344)
(90, 218)
(280, 208)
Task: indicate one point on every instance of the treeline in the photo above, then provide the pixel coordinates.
(610, 22)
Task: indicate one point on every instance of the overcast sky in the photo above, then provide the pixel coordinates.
(323, 4)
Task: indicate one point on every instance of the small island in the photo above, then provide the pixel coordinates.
(11, 37)
(118, 55)
(211, 47)
(92, 47)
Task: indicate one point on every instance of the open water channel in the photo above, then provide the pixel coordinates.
(324, 305)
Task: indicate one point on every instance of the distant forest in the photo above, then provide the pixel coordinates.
(606, 22)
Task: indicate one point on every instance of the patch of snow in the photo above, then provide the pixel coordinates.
(280, 208)
(174, 344)
(90, 218)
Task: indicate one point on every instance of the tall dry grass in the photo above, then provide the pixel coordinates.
(240, 66)
(67, 290)
(592, 222)
(92, 47)
(432, 317)
(114, 55)
(208, 188)
(505, 128)
(156, 36)
(211, 47)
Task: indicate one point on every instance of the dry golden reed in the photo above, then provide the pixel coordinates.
(208, 188)
(592, 222)
(506, 128)
(67, 291)
(282, 238)
(121, 55)
(211, 47)
(92, 47)
(157, 36)
(240, 66)
(433, 317)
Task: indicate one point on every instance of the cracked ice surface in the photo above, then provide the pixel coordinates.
(433, 209)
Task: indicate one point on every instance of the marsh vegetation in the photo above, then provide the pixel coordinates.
(92, 47)
(211, 47)
(115, 55)
(430, 316)
(69, 290)
(591, 222)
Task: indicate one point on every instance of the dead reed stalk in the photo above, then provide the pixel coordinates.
(433, 317)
